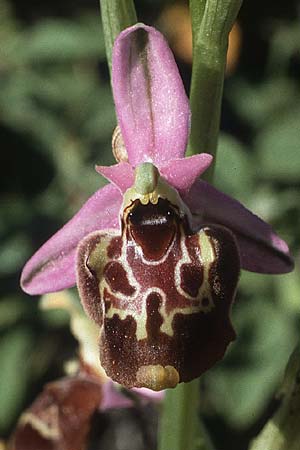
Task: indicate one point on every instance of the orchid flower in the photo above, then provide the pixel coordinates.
(156, 254)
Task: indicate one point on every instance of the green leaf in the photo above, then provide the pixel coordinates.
(12, 309)
(245, 382)
(13, 252)
(278, 148)
(260, 104)
(234, 168)
(288, 291)
(15, 349)
(62, 40)
(284, 45)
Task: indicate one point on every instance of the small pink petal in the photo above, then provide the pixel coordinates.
(112, 397)
(182, 173)
(121, 175)
(261, 250)
(151, 104)
(52, 267)
(149, 395)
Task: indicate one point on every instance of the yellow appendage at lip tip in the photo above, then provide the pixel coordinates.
(157, 377)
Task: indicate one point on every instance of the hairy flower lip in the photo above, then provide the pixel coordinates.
(52, 267)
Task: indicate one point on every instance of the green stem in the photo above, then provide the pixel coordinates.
(282, 431)
(212, 21)
(180, 428)
(116, 16)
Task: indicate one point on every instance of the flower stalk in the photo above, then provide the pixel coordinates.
(212, 21)
(116, 16)
(180, 427)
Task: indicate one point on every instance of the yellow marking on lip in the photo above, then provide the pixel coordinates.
(140, 320)
(185, 259)
(208, 257)
(166, 326)
(98, 257)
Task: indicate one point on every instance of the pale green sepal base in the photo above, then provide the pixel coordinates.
(212, 21)
(116, 16)
(180, 427)
(282, 431)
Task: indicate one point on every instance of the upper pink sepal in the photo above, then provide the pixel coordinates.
(151, 104)
(182, 173)
(52, 267)
(261, 250)
(121, 175)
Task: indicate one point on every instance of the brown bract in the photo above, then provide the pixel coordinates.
(59, 419)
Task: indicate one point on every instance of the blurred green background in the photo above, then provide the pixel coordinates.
(56, 121)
